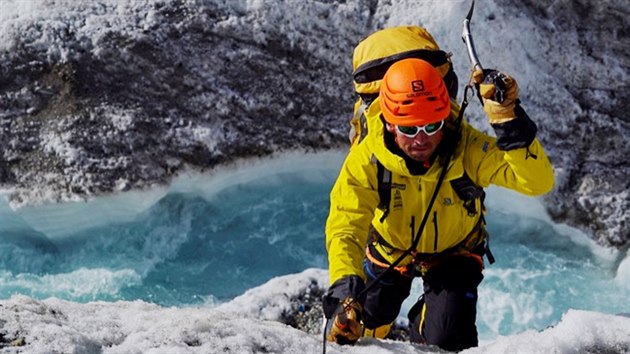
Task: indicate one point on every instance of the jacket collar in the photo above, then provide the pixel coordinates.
(375, 141)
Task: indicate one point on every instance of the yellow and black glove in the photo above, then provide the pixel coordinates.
(346, 325)
(343, 310)
(499, 93)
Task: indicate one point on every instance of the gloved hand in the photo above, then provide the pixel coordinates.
(346, 325)
(499, 93)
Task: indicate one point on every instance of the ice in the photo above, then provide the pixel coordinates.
(76, 284)
(532, 207)
(312, 166)
(63, 219)
(623, 273)
(246, 325)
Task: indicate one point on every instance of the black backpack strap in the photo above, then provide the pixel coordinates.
(487, 250)
(374, 70)
(384, 177)
(468, 191)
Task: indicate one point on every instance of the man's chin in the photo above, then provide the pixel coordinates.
(419, 154)
(419, 157)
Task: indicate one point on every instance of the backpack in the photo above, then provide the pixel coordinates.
(371, 58)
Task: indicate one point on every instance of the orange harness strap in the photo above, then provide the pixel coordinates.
(403, 270)
(421, 266)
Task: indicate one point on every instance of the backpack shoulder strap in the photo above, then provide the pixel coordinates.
(384, 177)
(468, 191)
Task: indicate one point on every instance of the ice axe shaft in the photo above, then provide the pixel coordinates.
(468, 40)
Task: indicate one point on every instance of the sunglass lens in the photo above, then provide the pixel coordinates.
(408, 130)
(432, 128)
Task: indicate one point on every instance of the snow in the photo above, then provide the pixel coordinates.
(248, 324)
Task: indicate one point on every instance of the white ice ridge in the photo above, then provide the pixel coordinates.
(623, 274)
(63, 219)
(298, 164)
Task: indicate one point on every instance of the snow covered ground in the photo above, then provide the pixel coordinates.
(248, 324)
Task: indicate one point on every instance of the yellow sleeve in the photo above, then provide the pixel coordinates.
(526, 170)
(353, 199)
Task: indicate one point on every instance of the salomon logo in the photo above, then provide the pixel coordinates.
(417, 86)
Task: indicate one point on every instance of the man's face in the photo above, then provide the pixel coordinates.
(420, 147)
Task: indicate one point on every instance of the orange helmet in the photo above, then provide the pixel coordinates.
(413, 93)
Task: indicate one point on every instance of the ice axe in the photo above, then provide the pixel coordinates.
(479, 74)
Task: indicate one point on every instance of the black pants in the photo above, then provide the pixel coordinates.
(450, 298)
(383, 301)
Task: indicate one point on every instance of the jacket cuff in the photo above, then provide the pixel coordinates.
(517, 133)
(349, 286)
(346, 287)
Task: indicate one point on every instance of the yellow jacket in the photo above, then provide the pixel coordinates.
(354, 197)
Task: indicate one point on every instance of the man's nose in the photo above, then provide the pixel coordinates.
(421, 137)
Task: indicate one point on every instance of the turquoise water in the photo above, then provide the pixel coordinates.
(196, 247)
(539, 275)
(186, 249)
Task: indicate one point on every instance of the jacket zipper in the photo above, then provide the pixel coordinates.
(435, 228)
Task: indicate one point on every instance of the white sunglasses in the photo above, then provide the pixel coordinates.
(413, 131)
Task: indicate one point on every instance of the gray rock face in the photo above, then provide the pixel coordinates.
(130, 107)
(107, 97)
(593, 189)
